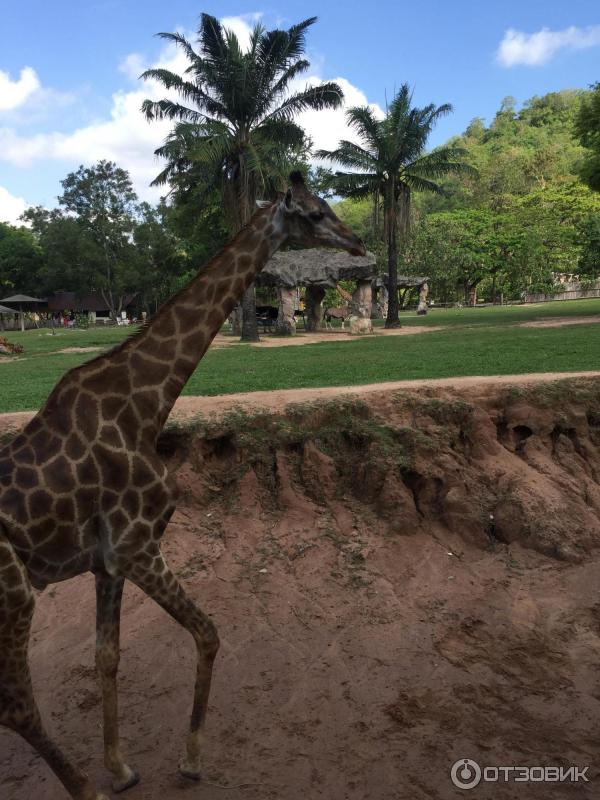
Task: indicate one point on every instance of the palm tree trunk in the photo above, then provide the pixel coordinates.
(391, 231)
(246, 206)
(401, 227)
(249, 321)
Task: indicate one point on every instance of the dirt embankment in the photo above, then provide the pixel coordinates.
(399, 580)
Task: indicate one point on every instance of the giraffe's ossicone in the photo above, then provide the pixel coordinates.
(83, 489)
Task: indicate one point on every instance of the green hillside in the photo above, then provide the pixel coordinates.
(523, 218)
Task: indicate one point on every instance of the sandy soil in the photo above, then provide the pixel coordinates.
(375, 625)
(78, 350)
(559, 322)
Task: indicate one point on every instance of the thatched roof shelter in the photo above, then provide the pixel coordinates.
(22, 302)
(404, 281)
(316, 267)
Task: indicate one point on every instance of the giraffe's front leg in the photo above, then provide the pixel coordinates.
(159, 583)
(18, 709)
(109, 591)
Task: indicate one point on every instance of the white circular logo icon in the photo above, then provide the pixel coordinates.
(465, 773)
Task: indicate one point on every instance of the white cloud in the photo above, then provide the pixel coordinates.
(533, 49)
(133, 65)
(242, 26)
(130, 141)
(327, 127)
(15, 93)
(11, 207)
(125, 137)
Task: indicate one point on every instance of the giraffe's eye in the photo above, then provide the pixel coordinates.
(316, 216)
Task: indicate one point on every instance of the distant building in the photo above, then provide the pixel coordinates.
(92, 303)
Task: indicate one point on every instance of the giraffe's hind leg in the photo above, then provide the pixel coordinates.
(158, 582)
(109, 591)
(18, 709)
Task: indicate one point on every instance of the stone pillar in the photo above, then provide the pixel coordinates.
(314, 308)
(382, 301)
(286, 322)
(422, 307)
(375, 307)
(362, 301)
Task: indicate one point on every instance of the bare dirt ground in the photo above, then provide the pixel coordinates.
(78, 350)
(336, 335)
(376, 624)
(559, 322)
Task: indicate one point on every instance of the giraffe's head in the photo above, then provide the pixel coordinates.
(310, 222)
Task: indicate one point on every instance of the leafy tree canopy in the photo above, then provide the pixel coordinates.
(587, 127)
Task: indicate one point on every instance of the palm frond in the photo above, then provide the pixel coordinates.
(182, 42)
(441, 162)
(363, 120)
(167, 109)
(350, 155)
(421, 184)
(282, 132)
(210, 34)
(355, 184)
(326, 95)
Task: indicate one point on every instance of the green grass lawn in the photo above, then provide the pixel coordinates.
(502, 315)
(482, 341)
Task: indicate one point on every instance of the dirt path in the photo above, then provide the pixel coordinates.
(335, 335)
(559, 322)
(190, 406)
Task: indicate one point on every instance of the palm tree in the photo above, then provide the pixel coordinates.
(235, 125)
(389, 164)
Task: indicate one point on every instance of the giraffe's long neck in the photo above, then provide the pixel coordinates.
(164, 356)
(153, 367)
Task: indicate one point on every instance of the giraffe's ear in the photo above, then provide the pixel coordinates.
(288, 199)
(263, 203)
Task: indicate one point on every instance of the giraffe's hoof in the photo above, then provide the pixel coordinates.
(189, 772)
(127, 782)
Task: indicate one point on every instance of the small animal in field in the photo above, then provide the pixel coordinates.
(336, 312)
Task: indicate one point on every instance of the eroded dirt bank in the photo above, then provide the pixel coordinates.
(377, 624)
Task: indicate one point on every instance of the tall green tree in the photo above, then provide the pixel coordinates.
(162, 260)
(589, 260)
(235, 128)
(102, 199)
(70, 256)
(20, 261)
(391, 163)
(587, 128)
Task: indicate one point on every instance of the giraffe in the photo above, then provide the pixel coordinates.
(82, 488)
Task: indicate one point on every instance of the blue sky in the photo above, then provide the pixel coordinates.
(69, 92)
